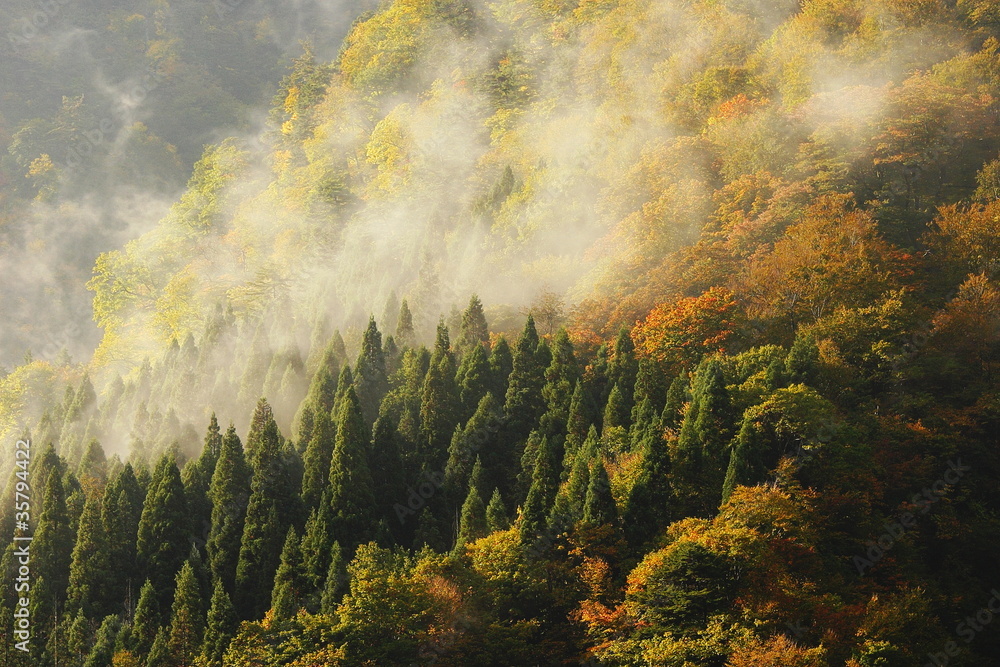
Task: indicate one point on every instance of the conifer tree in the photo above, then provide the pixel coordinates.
(496, 513)
(677, 395)
(103, 650)
(561, 377)
(523, 402)
(229, 493)
(370, 380)
(648, 506)
(580, 418)
(146, 619)
(333, 587)
(570, 499)
(474, 379)
(438, 403)
(220, 627)
(351, 497)
(344, 382)
(404, 326)
(599, 507)
(616, 411)
(163, 534)
(187, 620)
(317, 458)
(51, 551)
(159, 652)
(315, 548)
(93, 464)
(475, 439)
(197, 479)
(286, 595)
(322, 390)
(474, 330)
(263, 436)
(703, 440)
(541, 495)
(90, 572)
(472, 524)
(501, 366)
(386, 465)
(623, 369)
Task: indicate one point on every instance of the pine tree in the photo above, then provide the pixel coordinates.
(322, 390)
(496, 513)
(221, 626)
(475, 330)
(438, 404)
(89, 573)
(404, 327)
(476, 438)
(263, 435)
(197, 479)
(315, 548)
(568, 506)
(187, 620)
(229, 493)
(351, 497)
(51, 551)
(561, 377)
(677, 395)
(599, 507)
(648, 507)
(704, 437)
(472, 525)
(580, 418)
(286, 595)
(623, 369)
(261, 543)
(386, 465)
(159, 652)
(541, 495)
(501, 366)
(162, 541)
(103, 651)
(474, 379)
(333, 587)
(93, 464)
(146, 620)
(370, 380)
(616, 411)
(317, 460)
(523, 403)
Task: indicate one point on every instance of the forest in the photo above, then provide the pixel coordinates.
(513, 332)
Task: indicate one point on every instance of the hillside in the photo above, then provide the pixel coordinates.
(545, 332)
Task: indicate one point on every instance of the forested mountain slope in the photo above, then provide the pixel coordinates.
(550, 331)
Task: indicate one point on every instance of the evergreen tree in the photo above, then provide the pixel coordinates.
(475, 379)
(322, 390)
(286, 595)
(146, 620)
(370, 380)
(351, 497)
(475, 330)
(472, 525)
(317, 460)
(561, 377)
(438, 403)
(89, 573)
(93, 464)
(496, 513)
(569, 503)
(315, 548)
(162, 541)
(541, 495)
(159, 652)
(623, 369)
(229, 493)
(477, 436)
(703, 440)
(386, 465)
(333, 587)
(220, 628)
(121, 511)
(102, 653)
(187, 620)
(51, 551)
(648, 507)
(677, 395)
(197, 479)
(501, 366)
(404, 327)
(263, 436)
(616, 411)
(599, 507)
(523, 404)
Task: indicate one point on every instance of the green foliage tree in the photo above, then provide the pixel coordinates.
(351, 498)
(229, 493)
(220, 627)
(164, 530)
(187, 618)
